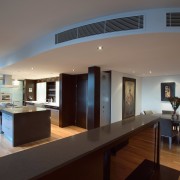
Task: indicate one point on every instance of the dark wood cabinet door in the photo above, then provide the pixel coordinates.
(81, 111)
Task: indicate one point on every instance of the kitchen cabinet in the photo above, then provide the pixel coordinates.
(54, 114)
(7, 126)
(51, 91)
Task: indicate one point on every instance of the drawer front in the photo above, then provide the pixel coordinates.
(54, 113)
(8, 132)
(7, 126)
(7, 120)
(7, 117)
(55, 121)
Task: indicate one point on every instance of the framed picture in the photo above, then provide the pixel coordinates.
(167, 90)
(129, 97)
(30, 89)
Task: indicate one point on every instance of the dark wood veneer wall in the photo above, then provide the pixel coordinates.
(73, 100)
(67, 100)
(80, 99)
(29, 90)
(93, 97)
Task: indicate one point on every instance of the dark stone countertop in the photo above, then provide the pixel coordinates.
(36, 162)
(20, 110)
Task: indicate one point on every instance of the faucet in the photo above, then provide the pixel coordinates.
(13, 103)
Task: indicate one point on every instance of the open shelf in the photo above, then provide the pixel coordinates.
(51, 91)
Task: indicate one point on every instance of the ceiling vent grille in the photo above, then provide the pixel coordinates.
(91, 29)
(173, 19)
(66, 36)
(113, 25)
(123, 24)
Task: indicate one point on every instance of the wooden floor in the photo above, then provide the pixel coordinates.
(56, 133)
(140, 147)
(170, 157)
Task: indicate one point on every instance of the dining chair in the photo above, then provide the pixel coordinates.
(148, 112)
(166, 130)
(175, 125)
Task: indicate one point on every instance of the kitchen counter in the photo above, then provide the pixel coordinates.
(23, 109)
(43, 103)
(85, 151)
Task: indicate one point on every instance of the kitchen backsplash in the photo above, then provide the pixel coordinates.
(16, 91)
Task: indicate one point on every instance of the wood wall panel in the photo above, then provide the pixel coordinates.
(67, 100)
(81, 100)
(27, 94)
(93, 120)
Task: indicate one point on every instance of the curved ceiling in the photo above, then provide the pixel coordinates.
(24, 21)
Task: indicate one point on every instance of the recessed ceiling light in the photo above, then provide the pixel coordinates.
(150, 72)
(99, 48)
(32, 68)
(73, 70)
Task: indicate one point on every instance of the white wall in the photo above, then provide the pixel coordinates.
(151, 93)
(57, 92)
(116, 95)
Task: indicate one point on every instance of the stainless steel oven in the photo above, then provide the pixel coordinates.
(5, 97)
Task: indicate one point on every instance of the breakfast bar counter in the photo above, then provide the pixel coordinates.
(82, 156)
(25, 124)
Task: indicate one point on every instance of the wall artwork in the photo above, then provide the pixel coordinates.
(129, 97)
(167, 90)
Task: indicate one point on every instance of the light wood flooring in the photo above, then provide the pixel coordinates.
(169, 158)
(56, 133)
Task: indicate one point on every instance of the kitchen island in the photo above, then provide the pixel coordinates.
(52, 106)
(25, 124)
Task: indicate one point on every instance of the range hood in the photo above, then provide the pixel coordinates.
(7, 81)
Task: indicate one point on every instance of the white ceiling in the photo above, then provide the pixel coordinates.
(22, 22)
